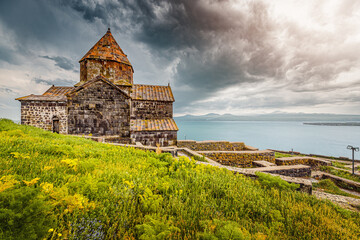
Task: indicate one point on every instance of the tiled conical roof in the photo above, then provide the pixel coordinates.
(107, 49)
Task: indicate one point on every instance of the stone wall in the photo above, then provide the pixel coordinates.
(239, 158)
(342, 182)
(41, 114)
(313, 162)
(99, 109)
(151, 109)
(151, 138)
(211, 145)
(263, 164)
(111, 70)
(291, 171)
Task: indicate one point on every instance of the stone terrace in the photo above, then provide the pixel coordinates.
(239, 158)
(311, 161)
(228, 153)
(212, 145)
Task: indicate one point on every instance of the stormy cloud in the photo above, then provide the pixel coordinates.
(248, 56)
(57, 82)
(62, 62)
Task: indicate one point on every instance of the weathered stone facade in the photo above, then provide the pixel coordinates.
(99, 109)
(117, 73)
(44, 114)
(151, 109)
(151, 138)
(105, 102)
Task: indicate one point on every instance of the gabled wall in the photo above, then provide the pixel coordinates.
(99, 109)
(41, 113)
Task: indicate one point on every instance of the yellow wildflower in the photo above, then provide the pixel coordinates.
(51, 230)
(59, 234)
(32, 182)
(48, 167)
(71, 163)
(47, 187)
(7, 182)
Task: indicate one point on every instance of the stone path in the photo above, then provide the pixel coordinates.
(345, 202)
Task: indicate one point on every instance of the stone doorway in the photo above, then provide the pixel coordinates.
(55, 124)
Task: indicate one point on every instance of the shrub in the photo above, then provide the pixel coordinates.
(222, 230)
(156, 228)
(270, 181)
(90, 190)
(24, 214)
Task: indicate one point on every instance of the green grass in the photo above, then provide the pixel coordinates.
(329, 186)
(56, 187)
(339, 164)
(280, 155)
(340, 173)
(198, 158)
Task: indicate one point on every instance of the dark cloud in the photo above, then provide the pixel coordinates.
(62, 62)
(215, 45)
(209, 45)
(8, 55)
(44, 26)
(57, 82)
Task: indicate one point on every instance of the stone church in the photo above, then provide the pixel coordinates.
(105, 102)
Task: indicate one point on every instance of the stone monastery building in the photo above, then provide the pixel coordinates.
(105, 102)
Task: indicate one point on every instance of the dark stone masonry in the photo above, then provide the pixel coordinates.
(43, 114)
(99, 109)
(105, 102)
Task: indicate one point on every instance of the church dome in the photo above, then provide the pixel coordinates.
(107, 49)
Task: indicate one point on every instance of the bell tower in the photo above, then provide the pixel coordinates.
(106, 58)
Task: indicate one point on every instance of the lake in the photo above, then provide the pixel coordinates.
(310, 139)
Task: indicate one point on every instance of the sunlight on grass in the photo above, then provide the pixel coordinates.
(58, 187)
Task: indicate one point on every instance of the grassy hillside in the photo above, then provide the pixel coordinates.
(57, 187)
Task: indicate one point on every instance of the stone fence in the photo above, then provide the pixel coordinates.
(342, 182)
(239, 158)
(213, 145)
(291, 171)
(311, 161)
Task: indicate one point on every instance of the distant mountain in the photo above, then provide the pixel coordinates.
(270, 117)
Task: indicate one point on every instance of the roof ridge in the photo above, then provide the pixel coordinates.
(151, 85)
(97, 78)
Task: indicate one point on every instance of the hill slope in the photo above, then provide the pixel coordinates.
(55, 187)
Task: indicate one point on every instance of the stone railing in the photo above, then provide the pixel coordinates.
(239, 158)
